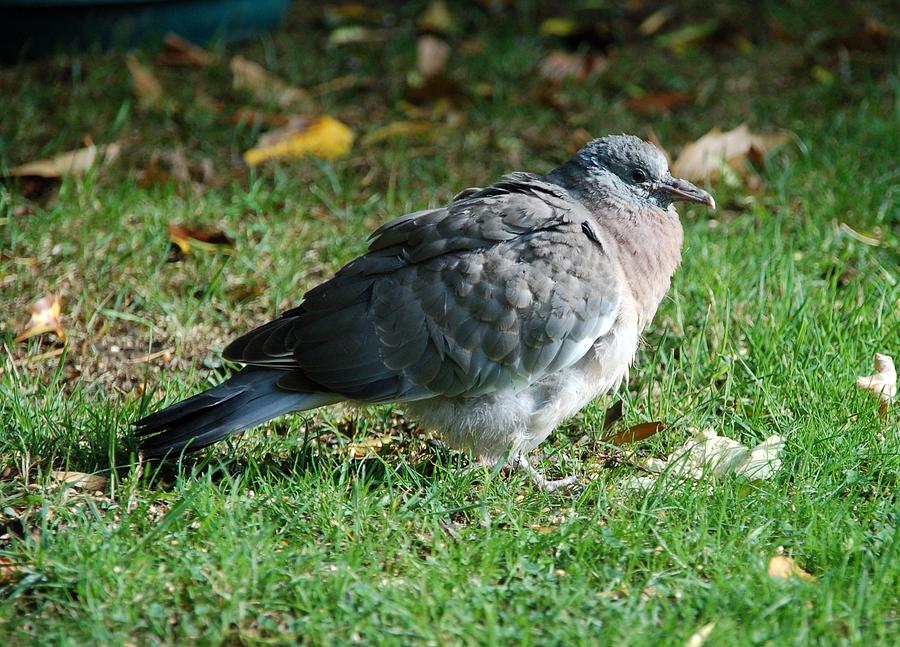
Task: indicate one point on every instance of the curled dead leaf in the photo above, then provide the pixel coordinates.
(783, 568)
(254, 78)
(636, 433)
(80, 480)
(324, 137)
(883, 384)
(177, 51)
(183, 238)
(704, 158)
(147, 87)
(45, 317)
(76, 162)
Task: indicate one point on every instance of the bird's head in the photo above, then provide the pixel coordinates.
(630, 166)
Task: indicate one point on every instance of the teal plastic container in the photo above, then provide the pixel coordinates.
(30, 28)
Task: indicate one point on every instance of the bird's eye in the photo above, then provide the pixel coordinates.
(639, 175)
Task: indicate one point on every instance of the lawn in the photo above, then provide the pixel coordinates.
(342, 526)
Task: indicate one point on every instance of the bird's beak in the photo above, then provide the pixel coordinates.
(681, 190)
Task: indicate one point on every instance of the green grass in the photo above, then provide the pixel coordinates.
(281, 535)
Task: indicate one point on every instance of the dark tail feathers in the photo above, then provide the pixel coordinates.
(247, 399)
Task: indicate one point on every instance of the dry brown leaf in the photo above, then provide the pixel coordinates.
(76, 162)
(431, 55)
(704, 158)
(636, 433)
(87, 482)
(324, 137)
(559, 65)
(657, 103)
(699, 637)
(883, 383)
(179, 52)
(400, 130)
(783, 568)
(45, 317)
(9, 570)
(268, 87)
(147, 87)
(182, 238)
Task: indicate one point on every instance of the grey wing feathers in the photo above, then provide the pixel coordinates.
(498, 289)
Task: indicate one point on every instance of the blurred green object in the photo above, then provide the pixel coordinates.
(30, 28)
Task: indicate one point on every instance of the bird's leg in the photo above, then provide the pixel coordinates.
(520, 462)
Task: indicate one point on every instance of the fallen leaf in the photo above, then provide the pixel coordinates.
(437, 18)
(399, 130)
(688, 36)
(182, 238)
(179, 52)
(655, 103)
(9, 570)
(76, 162)
(784, 568)
(707, 452)
(865, 240)
(266, 87)
(351, 34)
(558, 26)
(704, 158)
(45, 317)
(80, 480)
(324, 137)
(559, 65)
(636, 433)
(431, 55)
(699, 637)
(147, 87)
(654, 22)
(883, 383)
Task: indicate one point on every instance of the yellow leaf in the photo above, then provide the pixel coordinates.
(558, 26)
(325, 137)
(437, 17)
(783, 568)
(883, 383)
(147, 87)
(45, 314)
(75, 162)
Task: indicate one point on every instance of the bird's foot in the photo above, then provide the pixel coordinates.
(539, 479)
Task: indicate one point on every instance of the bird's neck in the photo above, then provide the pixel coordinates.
(648, 237)
(649, 242)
